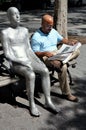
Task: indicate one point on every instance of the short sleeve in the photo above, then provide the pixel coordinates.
(35, 45)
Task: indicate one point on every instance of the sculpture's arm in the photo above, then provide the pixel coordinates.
(5, 46)
(29, 50)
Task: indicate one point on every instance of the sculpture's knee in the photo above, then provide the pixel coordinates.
(45, 71)
(30, 75)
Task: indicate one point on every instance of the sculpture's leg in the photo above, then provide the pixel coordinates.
(43, 71)
(46, 90)
(30, 85)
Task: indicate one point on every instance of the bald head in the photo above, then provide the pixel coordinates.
(47, 23)
(47, 18)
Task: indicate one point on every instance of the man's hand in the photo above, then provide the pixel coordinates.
(73, 42)
(69, 42)
(48, 54)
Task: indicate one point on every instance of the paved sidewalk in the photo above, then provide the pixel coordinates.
(72, 115)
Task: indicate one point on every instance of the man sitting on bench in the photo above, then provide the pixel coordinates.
(16, 46)
(44, 43)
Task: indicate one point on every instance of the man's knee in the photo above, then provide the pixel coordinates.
(78, 52)
(75, 54)
(64, 67)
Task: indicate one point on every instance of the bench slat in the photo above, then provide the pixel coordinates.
(5, 80)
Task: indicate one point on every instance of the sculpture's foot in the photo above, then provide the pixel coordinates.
(35, 112)
(52, 107)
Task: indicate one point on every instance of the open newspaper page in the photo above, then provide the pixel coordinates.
(65, 52)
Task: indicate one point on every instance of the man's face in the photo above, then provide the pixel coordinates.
(47, 27)
(14, 16)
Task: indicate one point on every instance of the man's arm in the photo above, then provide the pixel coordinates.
(35, 45)
(69, 42)
(49, 54)
(42, 54)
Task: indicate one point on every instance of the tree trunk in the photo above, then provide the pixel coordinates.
(60, 17)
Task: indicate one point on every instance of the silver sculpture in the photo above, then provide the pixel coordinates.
(16, 45)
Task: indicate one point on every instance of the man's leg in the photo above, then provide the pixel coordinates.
(64, 85)
(74, 55)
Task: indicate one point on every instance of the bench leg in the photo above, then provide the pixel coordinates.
(70, 77)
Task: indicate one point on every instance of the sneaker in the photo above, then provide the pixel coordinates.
(70, 97)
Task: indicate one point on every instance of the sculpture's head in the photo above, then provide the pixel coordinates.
(47, 23)
(13, 16)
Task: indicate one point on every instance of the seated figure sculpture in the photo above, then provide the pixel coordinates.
(16, 46)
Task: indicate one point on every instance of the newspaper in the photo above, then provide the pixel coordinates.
(65, 52)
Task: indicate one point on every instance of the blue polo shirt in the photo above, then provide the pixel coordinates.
(41, 42)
